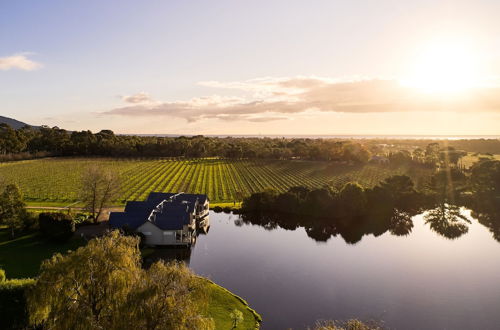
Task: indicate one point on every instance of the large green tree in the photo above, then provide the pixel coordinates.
(102, 286)
(12, 208)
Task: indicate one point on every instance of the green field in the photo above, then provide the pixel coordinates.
(469, 160)
(55, 181)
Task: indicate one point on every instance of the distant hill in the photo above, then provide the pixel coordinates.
(15, 124)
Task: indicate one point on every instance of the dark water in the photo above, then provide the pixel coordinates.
(419, 281)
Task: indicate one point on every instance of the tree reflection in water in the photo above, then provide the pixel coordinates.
(401, 223)
(447, 220)
(351, 229)
(444, 219)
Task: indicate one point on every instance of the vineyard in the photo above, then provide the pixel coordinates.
(58, 179)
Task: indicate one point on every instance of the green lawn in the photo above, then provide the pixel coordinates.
(223, 302)
(21, 257)
(55, 181)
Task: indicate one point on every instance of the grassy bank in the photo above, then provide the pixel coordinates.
(223, 302)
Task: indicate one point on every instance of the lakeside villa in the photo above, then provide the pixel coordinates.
(165, 218)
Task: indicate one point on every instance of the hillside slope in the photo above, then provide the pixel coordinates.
(15, 124)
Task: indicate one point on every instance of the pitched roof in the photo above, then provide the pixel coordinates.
(158, 197)
(172, 214)
(172, 218)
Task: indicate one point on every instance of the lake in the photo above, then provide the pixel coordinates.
(419, 281)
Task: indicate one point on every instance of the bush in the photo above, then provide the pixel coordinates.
(56, 226)
(227, 209)
(29, 222)
(82, 219)
(2, 276)
(13, 311)
(217, 209)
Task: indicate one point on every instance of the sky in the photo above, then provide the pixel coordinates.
(373, 67)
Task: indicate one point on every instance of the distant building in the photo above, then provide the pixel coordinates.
(164, 218)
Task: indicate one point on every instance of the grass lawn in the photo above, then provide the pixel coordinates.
(21, 257)
(223, 302)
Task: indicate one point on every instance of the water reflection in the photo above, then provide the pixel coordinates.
(447, 220)
(487, 212)
(401, 223)
(179, 253)
(273, 261)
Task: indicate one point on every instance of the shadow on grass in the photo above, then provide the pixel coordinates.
(22, 256)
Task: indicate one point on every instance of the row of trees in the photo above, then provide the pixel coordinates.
(354, 211)
(105, 143)
(56, 141)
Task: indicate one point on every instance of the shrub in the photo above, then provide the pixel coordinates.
(29, 221)
(13, 310)
(227, 209)
(56, 226)
(82, 219)
(217, 209)
(2, 276)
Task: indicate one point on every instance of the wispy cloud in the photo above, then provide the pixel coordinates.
(141, 97)
(281, 98)
(18, 61)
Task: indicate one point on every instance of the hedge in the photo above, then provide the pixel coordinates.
(13, 308)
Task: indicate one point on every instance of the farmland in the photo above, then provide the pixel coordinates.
(57, 180)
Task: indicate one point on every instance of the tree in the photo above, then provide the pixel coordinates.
(399, 190)
(102, 286)
(167, 296)
(12, 208)
(485, 177)
(56, 226)
(448, 221)
(236, 317)
(352, 199)
(99, 187)
(432, 153)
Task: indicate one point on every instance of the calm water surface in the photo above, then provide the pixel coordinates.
(419, 281)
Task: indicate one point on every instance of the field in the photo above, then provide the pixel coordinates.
(471, 158)
(55, 181)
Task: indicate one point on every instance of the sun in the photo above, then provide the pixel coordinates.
(444, 67)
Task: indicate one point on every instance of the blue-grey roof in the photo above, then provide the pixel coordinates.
(135, 206)
(133, 220)
(173, 218)
(158, 197)
(174, 215)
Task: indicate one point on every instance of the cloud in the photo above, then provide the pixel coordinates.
(141, 97)
(20, 62)
(281, 98)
